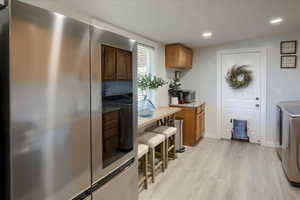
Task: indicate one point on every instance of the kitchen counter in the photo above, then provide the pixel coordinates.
(194, 122)
(193, 105)
(159, 113)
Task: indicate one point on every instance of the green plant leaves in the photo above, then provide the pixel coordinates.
(149, 81)
(174, 86)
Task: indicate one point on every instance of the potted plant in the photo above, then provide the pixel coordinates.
(146, 83)
(174, 87)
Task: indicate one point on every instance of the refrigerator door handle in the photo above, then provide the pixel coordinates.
(96, 103)
(289, 133)
(297, 153)
(280, 128)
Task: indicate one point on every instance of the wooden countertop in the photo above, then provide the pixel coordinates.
(159, 113)
(191, 105)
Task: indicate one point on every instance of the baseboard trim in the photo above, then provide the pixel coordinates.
(265, 144)
(211, 136)
(269, 144)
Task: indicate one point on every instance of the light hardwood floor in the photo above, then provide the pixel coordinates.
(223, 170)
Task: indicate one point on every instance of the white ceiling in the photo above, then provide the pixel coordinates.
(170, 21)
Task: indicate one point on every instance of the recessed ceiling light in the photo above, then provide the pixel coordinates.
(207, 34)
(276, 20)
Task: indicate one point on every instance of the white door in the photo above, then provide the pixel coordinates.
(245, 103)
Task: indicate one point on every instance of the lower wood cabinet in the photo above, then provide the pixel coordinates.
(110, 132)
(193, 125)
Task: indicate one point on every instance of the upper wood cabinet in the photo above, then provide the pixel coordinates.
(178, 56)
(108, 63)
(124, 66)
(128, 61)
(121, 65)
(116, 64)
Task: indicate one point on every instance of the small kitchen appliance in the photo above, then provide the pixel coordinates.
(188, 96)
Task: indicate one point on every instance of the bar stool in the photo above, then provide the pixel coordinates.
(143, 159)
(156, 145)
(170, 148)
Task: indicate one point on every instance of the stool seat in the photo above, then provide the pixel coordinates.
(142, 150)
(166, 130)
(151, 139)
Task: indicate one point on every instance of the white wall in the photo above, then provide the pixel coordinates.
(161, 95)
(282, 84)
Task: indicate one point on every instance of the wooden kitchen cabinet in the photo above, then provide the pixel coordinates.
(110, 132)
(178, 56)
(124, 66)
(128, 61)
(193, 125)
(121, 72)
(108, 63)
(116, 64)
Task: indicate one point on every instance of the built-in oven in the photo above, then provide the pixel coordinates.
(113, 104)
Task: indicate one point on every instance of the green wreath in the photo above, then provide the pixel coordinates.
(239, 77)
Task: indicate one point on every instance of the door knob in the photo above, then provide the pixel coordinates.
(257, 98)
(257, 105)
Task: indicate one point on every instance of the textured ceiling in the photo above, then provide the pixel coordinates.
(184, 21)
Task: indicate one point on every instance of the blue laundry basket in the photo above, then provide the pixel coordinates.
(239, 130)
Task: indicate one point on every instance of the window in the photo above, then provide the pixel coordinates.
(145, 60)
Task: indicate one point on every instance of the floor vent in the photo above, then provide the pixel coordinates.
(239, 130)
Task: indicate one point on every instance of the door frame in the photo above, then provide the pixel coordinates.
(264, 78)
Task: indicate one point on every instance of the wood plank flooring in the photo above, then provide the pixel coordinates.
(223, 170)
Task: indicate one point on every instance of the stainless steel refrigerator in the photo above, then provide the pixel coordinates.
(67, 131)
(288, 138)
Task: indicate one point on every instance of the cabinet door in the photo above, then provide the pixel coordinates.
(189, 125)
(189, 57)
(129, 65)
(108, 63)
(122, 62)
(202, 120)
(178, 56)
(198, 127)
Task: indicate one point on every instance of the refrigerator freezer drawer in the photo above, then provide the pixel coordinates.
(124, 186)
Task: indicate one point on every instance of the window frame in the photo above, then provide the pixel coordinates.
(149, 69)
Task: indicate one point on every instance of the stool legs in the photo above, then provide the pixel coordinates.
(174, 156)
(167, 153)
(170, 150)
(163, 156)
(152, 163)
(145, 167)
(144, 170)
